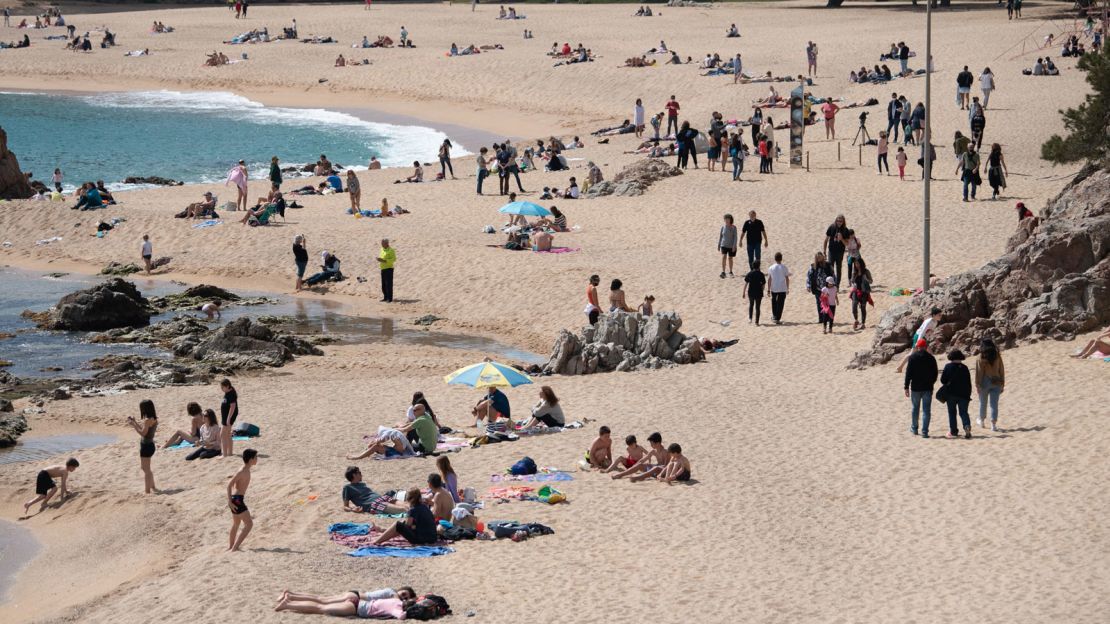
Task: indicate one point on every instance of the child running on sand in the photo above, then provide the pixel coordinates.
(655, 459)
(634, 453)
(236, 491)
(45, 488)
(600, 454)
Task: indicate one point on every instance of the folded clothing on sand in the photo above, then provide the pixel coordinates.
(349, 528)
(506, 528)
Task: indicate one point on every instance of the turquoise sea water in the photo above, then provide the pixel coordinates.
(195, 137)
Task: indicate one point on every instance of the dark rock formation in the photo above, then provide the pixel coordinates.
(1052, 282)
(241, 344)
(152, 180)
(634, 179)
(120, 269)
(11, 427)
(6, 405)
(13, 182)
(114, 303)
(624, 341)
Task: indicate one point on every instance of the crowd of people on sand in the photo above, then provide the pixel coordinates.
(160, 28)
(567, 55)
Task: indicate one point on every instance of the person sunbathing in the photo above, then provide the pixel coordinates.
(388, 442)
(359, 498)
(330, 270)
(380, 604)
(732, 31)
(417, 174)
(1100, 344)
(678, 469)
(201, 209)
(600, 453)
(419, 528)
(193, 434)
(625, 127)
(640, 61)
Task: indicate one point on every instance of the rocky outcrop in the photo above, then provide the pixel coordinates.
(151, 180)
(13, 182)
(624, 341)
(114, 303)
(242, 344)
(634, 179)
(1053, 282)
(120, 268)
(11, 427)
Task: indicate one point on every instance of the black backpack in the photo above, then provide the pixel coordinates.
(430, 607)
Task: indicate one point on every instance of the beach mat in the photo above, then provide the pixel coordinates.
(184, 444)
(415, 552)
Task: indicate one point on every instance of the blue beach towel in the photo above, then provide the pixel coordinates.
(208, 223)
(416, 552)
(349, 528)
(184, 444)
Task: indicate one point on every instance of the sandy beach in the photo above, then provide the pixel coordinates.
(812, 503)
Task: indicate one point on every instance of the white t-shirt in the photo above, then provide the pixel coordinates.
(986, 82)
(148, 248)
(638, 115)
(924, 331)
(778, 274)
(573, 192)
(830, 294)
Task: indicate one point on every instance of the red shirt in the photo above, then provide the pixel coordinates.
(763, 148)
(566, 49)
(672, 108)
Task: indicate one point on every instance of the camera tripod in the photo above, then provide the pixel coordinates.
(862, 132)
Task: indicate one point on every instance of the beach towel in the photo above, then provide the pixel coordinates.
(184, 444)
(207, 224)
(367, 540)
(349, 528)
(511, 492)
(415, 552)
(550, 475)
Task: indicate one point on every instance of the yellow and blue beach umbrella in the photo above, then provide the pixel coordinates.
(487, 374)
(525, 208)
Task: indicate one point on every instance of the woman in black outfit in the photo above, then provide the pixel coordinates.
(756, 281)
(996, 170)
(955, 380)
(229, 411)
(300, 257)
(146, 430)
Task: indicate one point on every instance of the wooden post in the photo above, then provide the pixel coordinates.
(838, 151)
(807, 161)
(861, 154)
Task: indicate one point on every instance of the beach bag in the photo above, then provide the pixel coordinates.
(550, 495)
(246, 429)
(523, 467)
(942, 394)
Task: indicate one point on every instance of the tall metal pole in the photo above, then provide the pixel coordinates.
(926, 147)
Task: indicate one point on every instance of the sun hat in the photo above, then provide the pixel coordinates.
(830, 280)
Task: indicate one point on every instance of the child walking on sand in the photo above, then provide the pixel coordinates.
(900, 158)
(45, 488)
(828, 304)
(236, 491)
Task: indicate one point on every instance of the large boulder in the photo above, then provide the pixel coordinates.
(634, 179)
(1052, 282)
(242, 344)
(624, 341)
(111, 304)
(13, 182)
(11, 427)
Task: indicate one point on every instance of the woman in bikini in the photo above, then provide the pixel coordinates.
(146, 430)
(380, 604)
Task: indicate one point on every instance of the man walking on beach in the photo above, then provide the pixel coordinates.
(893, 116)
(921, 375)
(754, 233)
(513, 167)
(964, 80)
(7, 17)
(386, 259)
(778, 284)
(672, 115)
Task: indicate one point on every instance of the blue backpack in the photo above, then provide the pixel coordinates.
(523, 467)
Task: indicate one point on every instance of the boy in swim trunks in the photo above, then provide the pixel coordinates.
(600, 454)
(45, 488)
(236, 491)
(651, 463)
(678, 469)
(635, 453)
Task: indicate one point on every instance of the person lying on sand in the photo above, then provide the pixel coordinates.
(1100, 344)
(639, 61)
(633, 453)
(388, 442)
(655, 459)
(625, 127)
(359, 498)
(600, 453)
(45, 488)
(143, 52)
(379, 604)
(677, 468)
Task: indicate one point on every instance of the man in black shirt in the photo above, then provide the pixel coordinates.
(921, 374)
(753, 231)
(893, 116)
(904, 56)
(963, 88)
